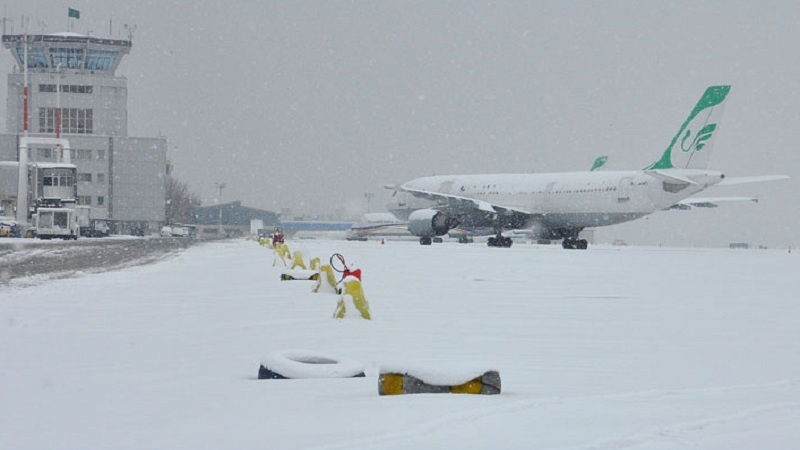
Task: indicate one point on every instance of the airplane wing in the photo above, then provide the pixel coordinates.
(709, 202)
(464, 204)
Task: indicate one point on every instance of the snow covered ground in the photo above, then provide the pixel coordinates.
(613, 347)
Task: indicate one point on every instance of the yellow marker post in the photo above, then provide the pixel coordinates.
(297, 261)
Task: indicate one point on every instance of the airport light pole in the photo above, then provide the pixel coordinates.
(221, 185)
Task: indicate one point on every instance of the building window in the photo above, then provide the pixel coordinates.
(68, 88)
(84, 200)
(47, 120)
(101, 200)
(36, 58)
(87, 177)
(73, 120)
(69, 58)
(83, 154)
(101, 154)
(58, 178)
(101, 178)
(100, 59)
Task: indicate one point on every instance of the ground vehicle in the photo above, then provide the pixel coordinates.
(57, 223)
(96, 228)
(90, 227)
(9, 227)
(179, 230)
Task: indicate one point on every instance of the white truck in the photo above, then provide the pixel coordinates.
(90, 227)
(57, 223)
(179, 230)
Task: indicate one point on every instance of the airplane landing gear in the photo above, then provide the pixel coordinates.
(499, 241)
(572, 243)
(425, 241)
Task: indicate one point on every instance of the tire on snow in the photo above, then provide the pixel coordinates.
(291, 364)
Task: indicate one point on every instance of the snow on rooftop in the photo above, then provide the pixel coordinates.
(68, 34)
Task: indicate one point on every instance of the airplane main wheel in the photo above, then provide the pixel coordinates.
(499, 241)
(572, 243)
(424, 241)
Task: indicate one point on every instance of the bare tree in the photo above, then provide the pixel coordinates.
(179, 201)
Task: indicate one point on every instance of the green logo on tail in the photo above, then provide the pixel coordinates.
(704, 117)
(699, 140)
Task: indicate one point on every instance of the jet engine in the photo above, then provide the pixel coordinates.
(427, 223)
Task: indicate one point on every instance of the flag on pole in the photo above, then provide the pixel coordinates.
(74, 13)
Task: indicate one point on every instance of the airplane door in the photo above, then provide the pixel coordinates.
(623, 190)
(548, 191)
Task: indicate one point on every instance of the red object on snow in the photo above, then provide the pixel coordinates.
(352, 273)
(277, 235)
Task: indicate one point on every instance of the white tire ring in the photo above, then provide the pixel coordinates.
(292, 364)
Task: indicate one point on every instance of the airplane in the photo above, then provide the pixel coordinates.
(560, 205)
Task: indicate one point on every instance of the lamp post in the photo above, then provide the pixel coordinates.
(368, 196)
(221, 185)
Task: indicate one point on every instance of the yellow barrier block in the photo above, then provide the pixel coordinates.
(394, 383)
(353, 292)
(314, 264)
(297, 261)
(340, 310)
(326, 282)
(280, 255)
(390, 384)
(473, 386)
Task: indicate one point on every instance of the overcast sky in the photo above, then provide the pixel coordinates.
(311, 104)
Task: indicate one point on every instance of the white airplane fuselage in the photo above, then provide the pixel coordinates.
(576, 199)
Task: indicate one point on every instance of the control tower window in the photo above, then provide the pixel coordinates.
(36, 58)
(70, 58)
(73, 120)
(100, 59)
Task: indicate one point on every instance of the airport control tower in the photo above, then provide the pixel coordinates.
(120, 177)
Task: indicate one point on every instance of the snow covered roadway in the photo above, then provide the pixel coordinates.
(29, 261)
(613, 347)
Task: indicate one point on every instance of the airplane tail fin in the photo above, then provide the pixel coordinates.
(690, 148)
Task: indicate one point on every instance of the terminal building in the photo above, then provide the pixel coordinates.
(121, 178)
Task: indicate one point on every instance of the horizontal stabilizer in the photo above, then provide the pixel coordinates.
(670, 177)
(756, 179)
(709, 202)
